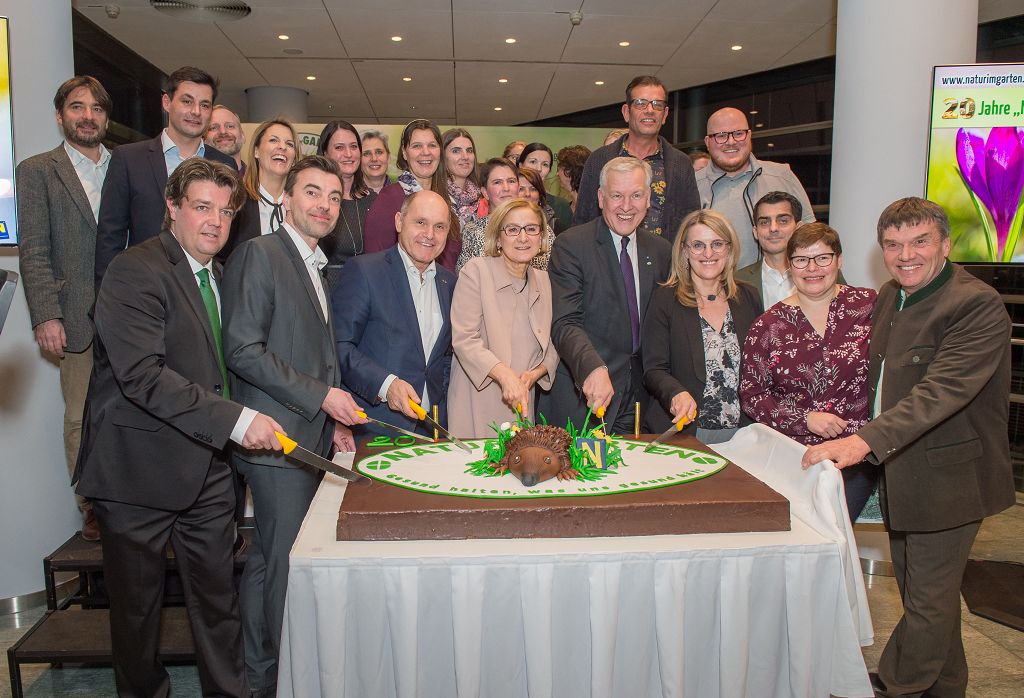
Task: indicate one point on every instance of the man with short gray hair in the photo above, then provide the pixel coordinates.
(602, 276)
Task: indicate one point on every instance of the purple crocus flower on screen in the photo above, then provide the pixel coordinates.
(993, 168)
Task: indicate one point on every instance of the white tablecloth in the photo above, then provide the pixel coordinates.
(762, 615)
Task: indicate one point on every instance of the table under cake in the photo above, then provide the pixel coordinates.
(763, 614)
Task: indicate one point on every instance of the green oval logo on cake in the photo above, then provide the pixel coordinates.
(445, 469)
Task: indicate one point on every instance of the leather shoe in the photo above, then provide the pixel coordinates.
(876, 683)
(90, 529)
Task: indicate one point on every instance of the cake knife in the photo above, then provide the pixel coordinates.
(413, 434)
(293, 450)
(433, 424)
(674, 429)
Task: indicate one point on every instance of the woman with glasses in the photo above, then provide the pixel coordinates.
(695, 327)
(272, 152)
(419, 156)
(805, 361)
(501, 325)
(340, 142)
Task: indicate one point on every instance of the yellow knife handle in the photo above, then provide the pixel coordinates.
(684, 421)
(287, 444)
(420, 412)
(360, 413)
(600, 412)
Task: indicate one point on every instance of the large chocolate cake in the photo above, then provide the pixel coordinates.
(406, 506)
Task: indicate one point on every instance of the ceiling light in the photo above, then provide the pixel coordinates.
(510, 40)
(311, 77)
(736, 47)
(598, 82)
(623, 43)
(407, 79)
(771, 145)
(497, 109)
(502, 80)
(396, 38)
(283, 37)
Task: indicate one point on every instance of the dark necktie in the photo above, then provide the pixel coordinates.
(277, 215)
(214, 315)
(629, 279)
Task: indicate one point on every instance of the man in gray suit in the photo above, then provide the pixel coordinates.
(279, 347)
(940, 377)
(58, 204)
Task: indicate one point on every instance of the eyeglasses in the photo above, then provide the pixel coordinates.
(722, 137)
(821, 260)
(921, 243)
(656, 104)
(698, 246)
(512, 231)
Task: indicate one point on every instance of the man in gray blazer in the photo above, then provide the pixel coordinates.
(58, 204)
(940, 377)
(279, 348)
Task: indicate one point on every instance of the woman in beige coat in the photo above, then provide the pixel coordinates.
(501, 325)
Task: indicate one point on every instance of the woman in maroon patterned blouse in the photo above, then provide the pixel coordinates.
(805, 361)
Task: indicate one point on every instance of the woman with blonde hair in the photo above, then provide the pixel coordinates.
(501, 325)
(272, 152)
(694, 332)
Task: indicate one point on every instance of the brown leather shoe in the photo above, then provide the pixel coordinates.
(90, 529)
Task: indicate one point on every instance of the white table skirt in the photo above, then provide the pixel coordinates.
(754, 614)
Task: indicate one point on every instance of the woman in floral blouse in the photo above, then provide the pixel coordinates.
(805, 361)
(694, 331)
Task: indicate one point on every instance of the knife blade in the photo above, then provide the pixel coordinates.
(674, 429)
(295, 452)
(413, 434)
(429, 421)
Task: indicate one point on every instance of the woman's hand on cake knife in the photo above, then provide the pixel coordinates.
(683, 407)
(513, 392)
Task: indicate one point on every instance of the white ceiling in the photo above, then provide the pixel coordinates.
(455, 50)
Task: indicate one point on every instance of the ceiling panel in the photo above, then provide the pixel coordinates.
(428, 77)
(385, 9)
(660, 9)
(155, 36)
(480, 36)
(351, 106)
(367, 33)
(409, 107)
(331, 74)
(573, 88)
(549, 6)
(308, 29)
(820, 44)
(805, 11)
(597, 40)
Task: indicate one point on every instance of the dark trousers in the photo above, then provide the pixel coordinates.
(134, 542)
(624, 421)
(858, 483)
(925, 654)
(280, 498)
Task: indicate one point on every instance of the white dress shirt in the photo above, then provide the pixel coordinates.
(172, 156)
(267, 210)
(423, 288)
(90, 174)
(314, 259)
(248, 414)
(775, 285)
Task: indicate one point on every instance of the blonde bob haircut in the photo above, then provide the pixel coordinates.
(680, 278)
(497, 219)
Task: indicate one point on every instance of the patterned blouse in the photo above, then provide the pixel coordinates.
(720, 404)
(473, 244)
(790, 370)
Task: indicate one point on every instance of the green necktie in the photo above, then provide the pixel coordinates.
(211, 312)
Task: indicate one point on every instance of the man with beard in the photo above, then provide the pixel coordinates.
(735, 179)
(279, 347)
(225, 134)
(132, 205)
(58, 204)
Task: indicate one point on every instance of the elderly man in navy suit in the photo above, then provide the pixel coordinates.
(132, 205)
(392, 319)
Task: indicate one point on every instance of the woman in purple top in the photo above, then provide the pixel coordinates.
(805, 361)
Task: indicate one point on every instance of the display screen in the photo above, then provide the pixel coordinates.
(976, 159)
(8, 207)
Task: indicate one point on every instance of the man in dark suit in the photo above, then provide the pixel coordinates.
(940, 377)
(58, 201)
(132, 205)
(673, 185)
(279, 346)
(157, 420)
(776, 216)
(392, 319)
(602, 276)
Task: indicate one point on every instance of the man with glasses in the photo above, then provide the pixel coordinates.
(673, 187)
(735, 179)
(940, 385)
(602, 276)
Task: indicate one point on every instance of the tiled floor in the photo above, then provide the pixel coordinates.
(995, 653)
